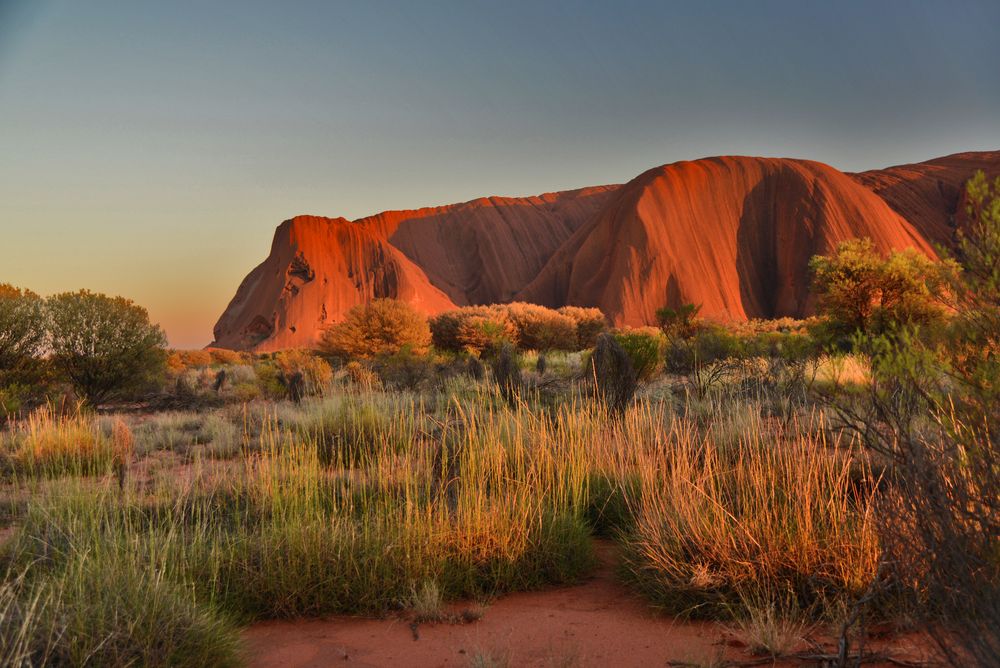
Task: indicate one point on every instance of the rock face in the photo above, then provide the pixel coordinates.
(436, 258)
(928, 193)
(734, 234)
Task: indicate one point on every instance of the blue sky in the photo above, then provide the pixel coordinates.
(150, 148)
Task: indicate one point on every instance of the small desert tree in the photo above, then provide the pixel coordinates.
(380, 327)
(975, 349)
(22, 338)
(933, 409)
(106, 347)
(859, 291)
(22, 333)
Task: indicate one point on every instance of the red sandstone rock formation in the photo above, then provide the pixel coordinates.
(481, 251)
(734, 234)
(928, 193)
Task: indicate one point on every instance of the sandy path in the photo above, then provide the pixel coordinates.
(596, 623)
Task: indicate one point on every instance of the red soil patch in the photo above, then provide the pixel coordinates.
(596, 623)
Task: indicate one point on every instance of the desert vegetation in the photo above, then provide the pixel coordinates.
(786, 477)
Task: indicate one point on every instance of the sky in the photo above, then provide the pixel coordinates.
(149, 149)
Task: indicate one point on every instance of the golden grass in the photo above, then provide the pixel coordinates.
(50, 443)
(786, 516)
(328, 512)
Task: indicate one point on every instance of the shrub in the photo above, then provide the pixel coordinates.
(405, 370)
(486, 334)
(681, 321)
(183, 360)
(507, 374)
(23, 371)
(705, 358)
(708, 345)
(380, 327)
(942, 515)
(105, 346)
(483, 330)
(13, 399)
(614, 374)
(859, 291)
(224, 357)
(270, 379)
(245, 392)
(363, 376)
(473, 329)
(540, 328)
(644, 348)
(590, 323)
(445, 330)
(315, 372)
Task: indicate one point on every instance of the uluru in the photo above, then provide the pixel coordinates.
(733, 234)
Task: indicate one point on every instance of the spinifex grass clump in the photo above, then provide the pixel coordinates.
(349, 431)
(50, 444)
(761, 520)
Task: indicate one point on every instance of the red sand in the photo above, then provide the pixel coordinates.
(596, 623)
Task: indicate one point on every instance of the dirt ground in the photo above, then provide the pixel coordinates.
(595, 623)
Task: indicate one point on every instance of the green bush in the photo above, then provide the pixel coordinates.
(932, 409)
(708, 345)
(483, 330)
(857, 290)
(270, 381)
(644, 348)
(315, 373)
(104, 346)
(679, 322)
